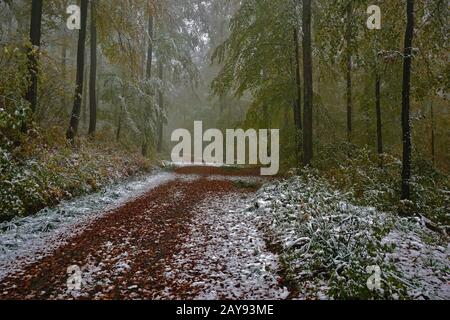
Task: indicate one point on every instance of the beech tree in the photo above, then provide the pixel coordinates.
(93, 72)
(33, 52)
(148, 74)
(406, 91)
(161, 118)
(308, 84)
(349, 65)
(298, 100)
(75, 116)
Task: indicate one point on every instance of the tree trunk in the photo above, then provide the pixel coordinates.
(64, 74)
(150, 47)
(33, 53)
(298, 109)
(161, 108)
(148, 75)
(93, 72)
(378, 112)
(99, 71)
(433, 137)
(406, 120)
(119, 125)
(298, 101)
(85, 97)
(75, 117)
(308, 85)
(348, 39)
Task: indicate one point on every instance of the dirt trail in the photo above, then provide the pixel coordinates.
(125, 253)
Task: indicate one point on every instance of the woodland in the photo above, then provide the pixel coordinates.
(92, 90)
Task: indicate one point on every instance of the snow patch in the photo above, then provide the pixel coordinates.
(328, 243)
(225, 256)
(26, 240)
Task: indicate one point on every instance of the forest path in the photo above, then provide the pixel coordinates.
(186, 238)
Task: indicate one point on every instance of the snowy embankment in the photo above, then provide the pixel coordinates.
(330, 249)
(26, 240)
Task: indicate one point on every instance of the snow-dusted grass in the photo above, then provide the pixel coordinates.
(25, 240)
(357, 171)
(323, 244)
(422, 261)
(326, 244)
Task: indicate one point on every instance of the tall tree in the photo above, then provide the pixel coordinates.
(161, 119)
(349, 62)
(150, 45)
(378, 112)
(379, 122)
(85, 96)
(148, 76)
(33, 52)
(308, 85)
(433, 135)
(64, 70)
(75, 117)
(93, 72)
(298, 101)
(406, 92)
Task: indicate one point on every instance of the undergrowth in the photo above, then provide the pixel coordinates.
(41, 169)
(371, 180)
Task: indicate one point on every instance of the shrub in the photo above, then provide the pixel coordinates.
(38, 173)
(375, 181)
(326, 243)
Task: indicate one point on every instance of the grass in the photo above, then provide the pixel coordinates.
(241, 184)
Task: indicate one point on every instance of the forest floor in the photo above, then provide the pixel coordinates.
(220, 233)
(177, 236)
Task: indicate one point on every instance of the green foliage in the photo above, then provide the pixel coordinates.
(375, 180)
(327, 243)
(14, 110)
(242, 184)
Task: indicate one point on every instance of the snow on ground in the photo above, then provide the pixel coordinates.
(25, 240)
(424, 264)
(96, 274)
(225, 256)
(328, 244)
